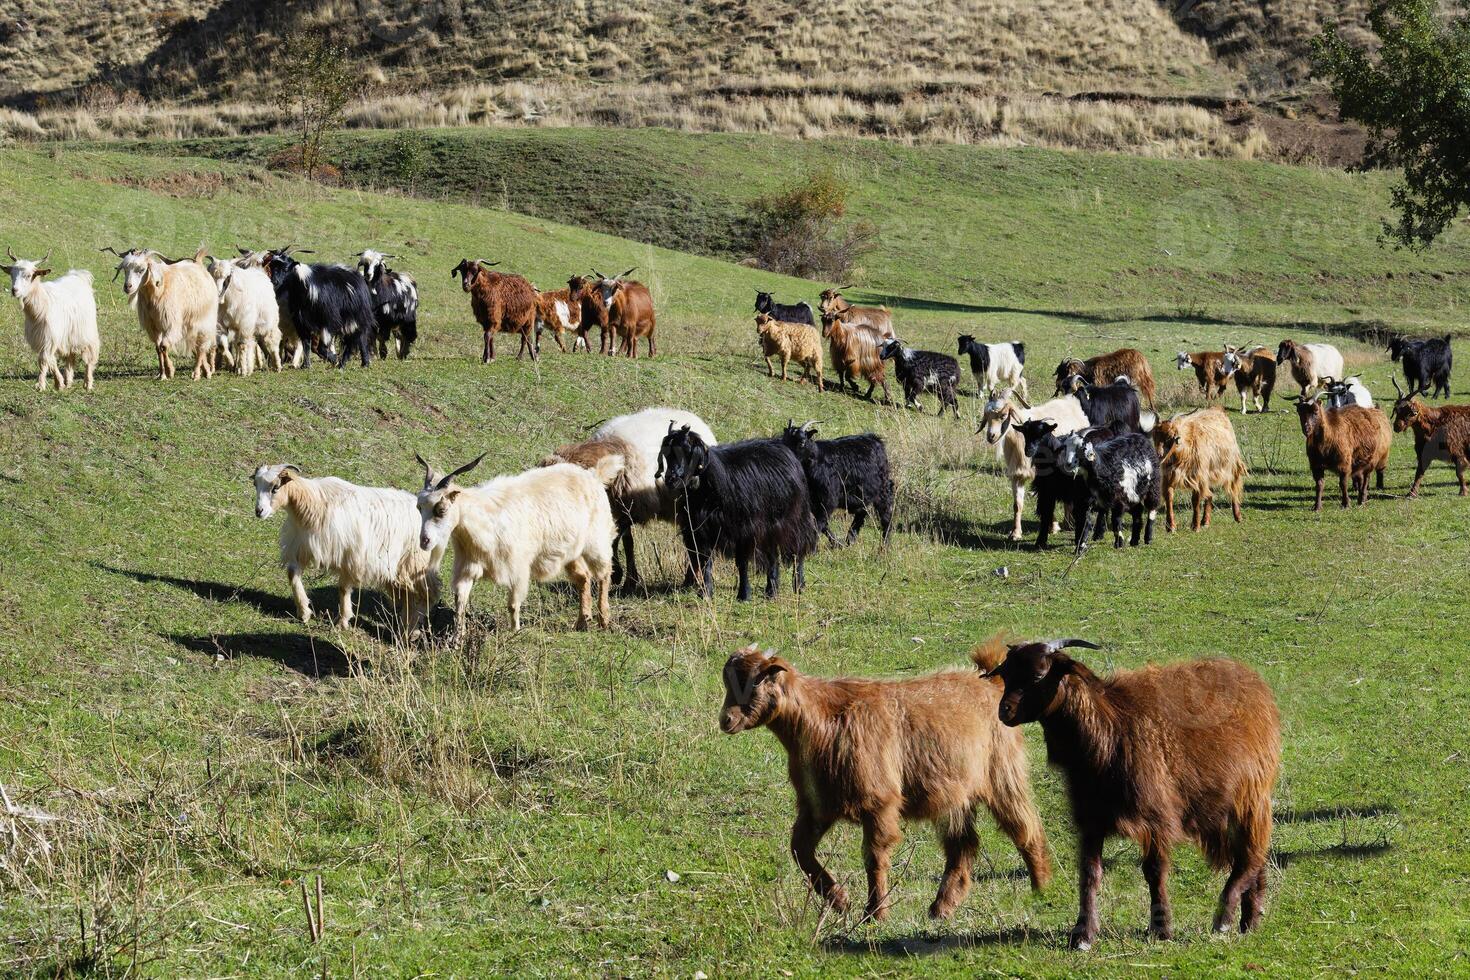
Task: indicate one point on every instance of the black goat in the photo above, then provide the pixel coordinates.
(1056, 481)
(851, 473)
(325, 302)
(1122, 473)
(395, 302)
(785, 312)
(744, 500)
(1426, 362)
(921, 371)
(1114, 405)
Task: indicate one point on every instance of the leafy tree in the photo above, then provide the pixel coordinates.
(320, 79)
(1413, 94)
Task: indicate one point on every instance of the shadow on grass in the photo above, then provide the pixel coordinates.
(267, 603)
(302, 652)
(1330, 814)
(906, 946)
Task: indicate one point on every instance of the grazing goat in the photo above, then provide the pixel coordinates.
(1122, 473)
(1351, 441)
(921, 371)
(630, 315)
(1254, 371)
(249, 317)
(1198, 450)
(785, 312)
(176, 302)
(1162, 755)
(636, 497)
(851, 473)
(876, 317)
(538, 525)
(60, 319)
(996, 366)
(1426, 362)
(744, 500)
(1114, 405)
(395, 302)
(1106, 368)
(874, 752)
(368, 536)
(1349, 391)
(1310, 363)
(855, 354)
(1439, 433)
(791, 342)
(503, 303)
(558, 312)
(1209, 371)
(1004, 413)
(327, 303)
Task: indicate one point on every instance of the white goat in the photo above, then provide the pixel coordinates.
(1348, 391)
(177, 304)
(369, 536)
(60, 319)
(290, 341)
(996, 366)
(538, 525)
(1003, 414)
(248, 315)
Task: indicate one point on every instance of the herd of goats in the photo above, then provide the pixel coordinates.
(934, 747)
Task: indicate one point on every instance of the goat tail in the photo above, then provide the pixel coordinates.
(1011, 804)
(609, 468)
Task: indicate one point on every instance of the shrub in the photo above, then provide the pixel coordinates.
(797, 230)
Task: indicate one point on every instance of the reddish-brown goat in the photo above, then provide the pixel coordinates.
(1209, 371)
(877, 752)
(1350, 441)
(1439, 433)
(1255, 372)
(629, 317)
(1198, 450)
(877, 317)
(555, 311)
(855, 354)
(503, 303)
(1104, 369)
(584, 293)
(1163, 755)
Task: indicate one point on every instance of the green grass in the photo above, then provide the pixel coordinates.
(513, 808)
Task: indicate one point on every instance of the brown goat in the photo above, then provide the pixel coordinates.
(791, 342)
(1105, 368)
(556, 312)
(1350, 441)
(630, 316)
(855, 354)
(1209, 370)
(1254, 371)
(503, 303)
(875, 752)
(1198, 450)
(1439, 433)
(583, 292)
(877, 317)
(1163, 755)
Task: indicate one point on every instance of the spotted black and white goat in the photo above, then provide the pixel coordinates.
(327, 303)
(395, 301)
(921, 371)
(1123, 473)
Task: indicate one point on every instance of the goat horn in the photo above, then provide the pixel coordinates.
(429, 478)
(1024, 404)
(1052, 646)
(628, 273)
(42, 259)
(10, 253)
(598, 274)
(486, 264)
(463, 469)
(811, 426)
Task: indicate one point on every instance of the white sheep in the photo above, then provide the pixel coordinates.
(248, 314)
(60, 319)
(1003, 414)
(538, 525)
(177, 305)
(368, 536)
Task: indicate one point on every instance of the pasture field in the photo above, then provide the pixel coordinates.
(555, 803)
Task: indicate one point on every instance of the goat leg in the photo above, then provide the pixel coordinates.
(1084, 933)
(960, 844)
(806, 833)
(1156, 871)
(880, 836)
(742, 564)
(773, 577)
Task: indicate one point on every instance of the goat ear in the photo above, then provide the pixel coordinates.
(40, 273)
(774, 665)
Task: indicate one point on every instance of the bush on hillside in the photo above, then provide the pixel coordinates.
(798, 230)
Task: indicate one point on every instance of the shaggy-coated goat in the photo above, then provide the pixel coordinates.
(1351, 441)
(1198, 450)
(540, 525)
(327, 304)
(874, 752)
(996, 366)
(60, 319)
(368, 536)
(636, 497)
(1114, 405)
(790, 342)
(851, 473)
(1426, 362)
(744, 500)
(1254, 371)
(1104, 369)
(1123, 473)
(629, 315)
(1310, 363)
(785, 312)
(1004, 413)
(291, 345)
(1209, 371)
(395, 302)
(503, 303)
(1439, 433)
(176, 302)
(249, 317)
(1162, 755)
(854, 352)
(921, 371)
(876, 317)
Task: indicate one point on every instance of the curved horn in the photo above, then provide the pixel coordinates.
(628, 273)
(1024, 403)
(428, 471)
(463, 469)
(487, 265)
(11, 254)
(1053, 646)
(598, 274)
(42, 259)
(1397, 388)
(811, 427)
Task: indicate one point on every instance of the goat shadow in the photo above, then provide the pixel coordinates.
(304, 653)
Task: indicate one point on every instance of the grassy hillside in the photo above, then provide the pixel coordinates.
(517, 806)
(995, 229)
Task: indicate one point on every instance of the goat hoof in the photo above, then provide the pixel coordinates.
(1081, 942)
(941, 909)
(582, 624)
